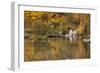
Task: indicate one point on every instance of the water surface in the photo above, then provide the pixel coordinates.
(56, 48)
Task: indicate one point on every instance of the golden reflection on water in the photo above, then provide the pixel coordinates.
(56, 48)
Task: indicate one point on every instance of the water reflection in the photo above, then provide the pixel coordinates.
(58, 48)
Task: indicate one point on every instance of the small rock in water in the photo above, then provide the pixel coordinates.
(86, 40)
